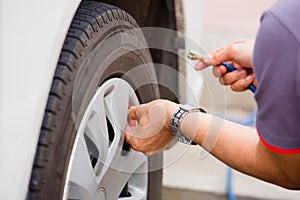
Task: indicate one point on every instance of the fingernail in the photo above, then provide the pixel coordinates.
(249, 78)
(200, 65)
(132, 122)
(218, 72)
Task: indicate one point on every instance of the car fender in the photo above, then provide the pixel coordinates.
(32, 34)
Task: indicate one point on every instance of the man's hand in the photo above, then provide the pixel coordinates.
(238, 53)
(149, 128)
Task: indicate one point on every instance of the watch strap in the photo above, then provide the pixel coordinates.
(177, 119)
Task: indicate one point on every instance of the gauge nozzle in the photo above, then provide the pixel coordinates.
(194, 56)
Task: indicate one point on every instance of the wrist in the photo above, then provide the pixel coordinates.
(170, 110)
(176, 123)
(190, 126)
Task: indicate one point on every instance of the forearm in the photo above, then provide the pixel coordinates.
(236, 145)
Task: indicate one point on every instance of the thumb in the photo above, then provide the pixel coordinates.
(204, 62)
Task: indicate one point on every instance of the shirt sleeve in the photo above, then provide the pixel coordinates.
(276, 66)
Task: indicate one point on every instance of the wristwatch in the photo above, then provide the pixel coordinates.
(177, 119)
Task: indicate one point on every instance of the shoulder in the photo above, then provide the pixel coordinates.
(278, 41)
(287, 14)
(276, 64)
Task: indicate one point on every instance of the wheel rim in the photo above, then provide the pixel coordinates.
(100, 167)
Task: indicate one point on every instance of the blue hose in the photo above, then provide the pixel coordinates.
(231, 196)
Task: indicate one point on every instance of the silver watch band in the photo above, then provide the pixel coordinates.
(177, 119)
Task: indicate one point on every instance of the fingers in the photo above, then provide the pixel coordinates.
(150, 135)
(232, 77)
(238, 80)
(132, 112)
(219, 71)
(243, 83)
(128, 134)
(132, 124)
(145, 145)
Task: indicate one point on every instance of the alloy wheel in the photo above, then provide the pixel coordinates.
(102, 165)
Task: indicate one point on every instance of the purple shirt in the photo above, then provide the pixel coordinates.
(277, 68)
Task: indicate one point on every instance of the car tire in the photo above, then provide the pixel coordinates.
(97, 52)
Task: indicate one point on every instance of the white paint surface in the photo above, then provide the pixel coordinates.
(32, 33)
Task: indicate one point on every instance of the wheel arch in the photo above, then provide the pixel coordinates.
(163, 14)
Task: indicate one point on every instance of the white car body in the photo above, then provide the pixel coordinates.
(32, 34)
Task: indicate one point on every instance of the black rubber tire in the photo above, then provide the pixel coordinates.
(75, 81)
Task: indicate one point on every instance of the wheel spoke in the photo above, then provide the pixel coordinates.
(116, 110)
(82, 174)
(114, 188)
(126, 166)
(93, 131)
(131, 162)
(97, 124)
(97, 130)
(117, 103)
